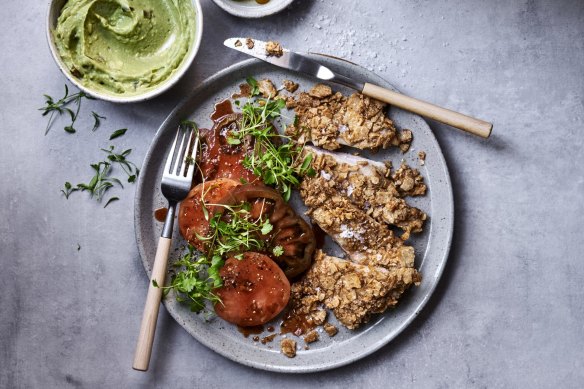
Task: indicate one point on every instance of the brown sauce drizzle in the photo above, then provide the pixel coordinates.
(221, 109)
(296, 324)
(247, 331)
(160, 214)
(319, 236)
(267, 339)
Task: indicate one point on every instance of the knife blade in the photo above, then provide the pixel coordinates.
(292, 61)
(297, 62)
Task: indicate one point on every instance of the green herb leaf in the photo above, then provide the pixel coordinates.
(112, 199)
(68, 190)
(118, 133)
(255, 90)
(154, 283)
(266, 227)
(96, 120)
(277, 251)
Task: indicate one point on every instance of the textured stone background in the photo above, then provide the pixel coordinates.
(509, 310)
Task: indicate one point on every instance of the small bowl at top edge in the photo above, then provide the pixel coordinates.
(247, 9)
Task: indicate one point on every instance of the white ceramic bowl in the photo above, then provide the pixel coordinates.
(55, 7)
(251, 9)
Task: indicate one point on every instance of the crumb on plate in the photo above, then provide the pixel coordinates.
(288, 347)
(330, 329)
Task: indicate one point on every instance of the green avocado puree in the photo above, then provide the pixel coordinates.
(124, 47)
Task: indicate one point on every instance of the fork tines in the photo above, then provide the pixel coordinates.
(184, 157)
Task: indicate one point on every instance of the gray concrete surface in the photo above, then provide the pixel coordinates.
(509, 310)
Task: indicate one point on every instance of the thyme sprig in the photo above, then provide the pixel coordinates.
(102, 179)
(61, 106)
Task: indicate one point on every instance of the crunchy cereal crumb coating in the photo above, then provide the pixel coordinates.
(365, 184)
(330, 329)
(355, 292)
(330, 120)
(288, 347)
(274, 49)
(408, 181)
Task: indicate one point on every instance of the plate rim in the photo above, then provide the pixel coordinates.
(438, 273)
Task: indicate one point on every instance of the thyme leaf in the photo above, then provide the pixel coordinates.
(118, 133)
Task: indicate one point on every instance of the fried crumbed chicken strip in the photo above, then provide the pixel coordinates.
(355, 292)
(365, 184)
(365, 240)
(330, 120)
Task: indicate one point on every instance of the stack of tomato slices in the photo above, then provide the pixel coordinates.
(256, 285)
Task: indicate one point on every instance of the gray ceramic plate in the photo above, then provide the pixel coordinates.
(431, 246)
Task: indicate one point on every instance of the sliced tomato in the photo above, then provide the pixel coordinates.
(254, 291)
(193, 221)
(290, 232)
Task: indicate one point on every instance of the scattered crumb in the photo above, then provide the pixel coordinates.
(405, 138)
(288, 347)
(267, 88)
(291, 102)
(238, 43)
(268, 339)
(330, 329)
(312, 336)
(320, 91)
(274, 49)
(422, 157)
(290, 86)
(249, 43)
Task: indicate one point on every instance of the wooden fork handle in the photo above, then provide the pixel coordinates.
(442, 115)
(150, 315)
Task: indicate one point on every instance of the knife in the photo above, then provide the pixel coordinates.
(300, 63)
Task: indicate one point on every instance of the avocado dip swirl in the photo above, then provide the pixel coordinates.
(124, 47)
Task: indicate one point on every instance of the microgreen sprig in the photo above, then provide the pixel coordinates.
(195, 280)
(102, 179)
(275, 157)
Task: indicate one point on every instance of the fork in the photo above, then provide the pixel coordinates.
(176, 184)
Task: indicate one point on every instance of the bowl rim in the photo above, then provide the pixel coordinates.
(169, 83)
(237, 10)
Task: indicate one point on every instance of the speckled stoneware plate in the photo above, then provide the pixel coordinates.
(251, 8)
(431, 246)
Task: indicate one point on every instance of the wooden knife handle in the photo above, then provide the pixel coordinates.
(442, 115)
(150, 315)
